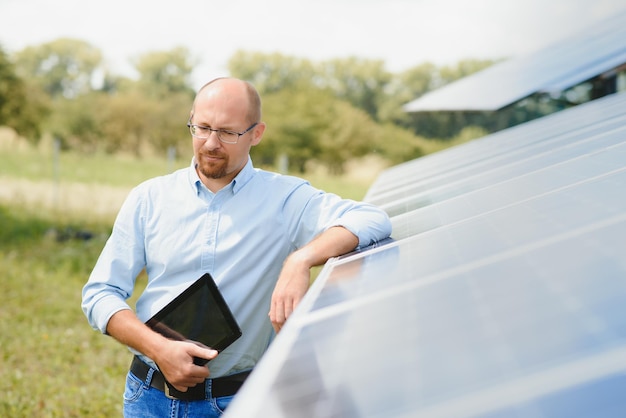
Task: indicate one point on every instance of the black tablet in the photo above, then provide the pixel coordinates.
(199, 314)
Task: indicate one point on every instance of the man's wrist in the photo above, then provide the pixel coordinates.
(301, 258)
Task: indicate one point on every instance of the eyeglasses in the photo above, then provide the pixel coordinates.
(225, 136)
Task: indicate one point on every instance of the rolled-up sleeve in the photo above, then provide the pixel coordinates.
(369, 223)
(112, 280)
(319, 211)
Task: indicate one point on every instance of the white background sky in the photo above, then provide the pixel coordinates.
(402, 33)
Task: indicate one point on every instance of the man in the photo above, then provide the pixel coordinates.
(257, 233)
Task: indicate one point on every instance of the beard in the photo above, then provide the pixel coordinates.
(213, 169)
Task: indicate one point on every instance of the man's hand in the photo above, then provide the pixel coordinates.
(175, 360)
(295, 276)
(291, 286)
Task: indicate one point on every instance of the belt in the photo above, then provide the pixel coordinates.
(220, 386)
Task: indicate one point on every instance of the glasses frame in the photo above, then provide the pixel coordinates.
(192, 126)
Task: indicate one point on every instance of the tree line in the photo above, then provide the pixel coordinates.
(324, 112)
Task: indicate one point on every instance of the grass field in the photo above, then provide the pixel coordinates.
(52, 363)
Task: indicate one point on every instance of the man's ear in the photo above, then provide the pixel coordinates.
(257, 133)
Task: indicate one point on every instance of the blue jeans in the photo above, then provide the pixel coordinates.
(143, 401)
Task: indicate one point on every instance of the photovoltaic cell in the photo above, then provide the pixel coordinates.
(501, 292)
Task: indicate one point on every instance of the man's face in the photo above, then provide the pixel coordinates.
(222, 106)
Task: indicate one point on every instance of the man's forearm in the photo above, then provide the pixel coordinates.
(333, 242)
(126, 328)
(294, 278)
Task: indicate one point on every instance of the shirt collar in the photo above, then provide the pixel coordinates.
(243, 177)
(238, 182)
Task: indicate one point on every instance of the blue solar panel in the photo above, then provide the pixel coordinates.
(557, 67)
(500, 294)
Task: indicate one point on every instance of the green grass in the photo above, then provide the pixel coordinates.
(52, 363)
(93, 169)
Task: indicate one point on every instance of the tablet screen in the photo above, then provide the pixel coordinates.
(198, 314)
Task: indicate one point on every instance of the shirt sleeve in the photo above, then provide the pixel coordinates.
(369, 223)
(113, 278)
(317, 211)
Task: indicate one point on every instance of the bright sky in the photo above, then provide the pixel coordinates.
(402, 33)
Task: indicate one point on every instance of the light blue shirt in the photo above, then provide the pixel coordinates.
(177, 229)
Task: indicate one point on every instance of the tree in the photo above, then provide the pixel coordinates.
(359, 81)
(12, 94)
(76, 124)
(167, 124)
(162, 73)
(271, 73)
(63, 68)
(126, 121)
(350, 133)
(396, 144)
(404, 87)
(293, 127)
(314, 126)
(20, 106)
(325, 112)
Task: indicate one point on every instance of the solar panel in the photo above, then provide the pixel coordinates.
(500, 294)
(543, 134)
(557, 67)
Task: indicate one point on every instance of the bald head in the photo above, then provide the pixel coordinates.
(238, 92)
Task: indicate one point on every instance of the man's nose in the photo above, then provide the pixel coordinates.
(213, 141)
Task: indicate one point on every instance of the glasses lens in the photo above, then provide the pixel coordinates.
(198, 131)
(228, 137)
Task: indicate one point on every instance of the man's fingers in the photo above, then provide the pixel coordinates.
(281, 311)
(203, 353)
(178, 366)
(277, 313)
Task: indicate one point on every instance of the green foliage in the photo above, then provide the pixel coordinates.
(75, 123)
(139, 117)
(291, 128)
(399, 145)
(128, 121)
(351, 133)
(139, 126)
(162, 73)
(359, 81)
(62, 68)
(271, 73)
(323, 113)
(403, 88)
(20, 105)
(12, 95)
